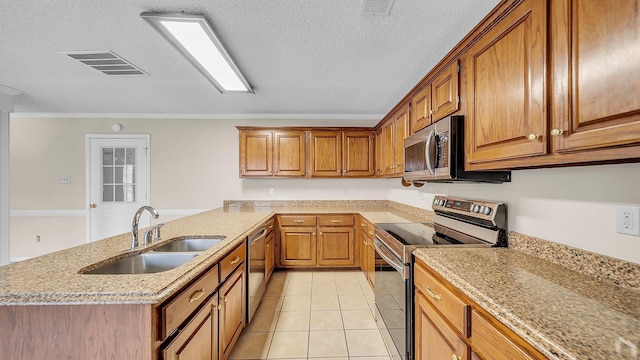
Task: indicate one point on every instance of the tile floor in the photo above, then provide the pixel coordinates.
(313, 315)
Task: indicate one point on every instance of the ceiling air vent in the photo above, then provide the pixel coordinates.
(105, 61)
(376, 7)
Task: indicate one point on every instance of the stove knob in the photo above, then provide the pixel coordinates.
(436, 202)
(442, 202)
(475, 208)
(486, 210)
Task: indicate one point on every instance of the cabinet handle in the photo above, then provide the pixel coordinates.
(363, 225)
(219, 307)
(320, 233)
(455, 357)
(336, 221)
(268, 245)
(196, 295)
(557, 132)
(235, 260)
(432, 294)
(533, 137)
(371, 233)
(314, 234)
(298, 221)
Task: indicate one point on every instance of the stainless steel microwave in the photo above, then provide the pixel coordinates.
(436, 154)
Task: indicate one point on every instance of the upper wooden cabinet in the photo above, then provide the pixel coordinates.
(358, 153)
(400, 132)
(379, 149)
(595, 71)
(288, 153)
(505, 93)
(326, 153)
(437, 99)
(272, 153)
(388, 149)
(256, 153)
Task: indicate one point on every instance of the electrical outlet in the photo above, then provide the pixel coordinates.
(272, 191)
(37, 238)
(65, 180)
(628, 220)
(344, 191)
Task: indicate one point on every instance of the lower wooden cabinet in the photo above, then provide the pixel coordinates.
(269, 257)
(445, 329)
(367, 251)
(434, 338)
(198, 340)
(232, 311)
(317, 241)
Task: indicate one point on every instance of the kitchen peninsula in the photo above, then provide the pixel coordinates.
(47, 307)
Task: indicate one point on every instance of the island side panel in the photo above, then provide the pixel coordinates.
(76, 332)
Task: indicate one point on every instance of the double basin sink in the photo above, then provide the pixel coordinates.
(158, 259)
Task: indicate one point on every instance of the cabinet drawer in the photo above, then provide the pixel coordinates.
(232, 261)
(491, 343)
(180, 308)
(445, 301)
(297, 220)
(335, 220)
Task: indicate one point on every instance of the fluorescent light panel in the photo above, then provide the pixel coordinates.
(194, 38)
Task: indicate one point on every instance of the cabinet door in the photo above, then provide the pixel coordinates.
(269, 257)
(336, 246)
(298, 246)
(444, 92)
(326, 153)
(256, 150)
(506, 87)
(232, 311)
(421, 110)
(198, 340)
(491, 343)
(358, 153)
(433, 337)
(401, 131)
(388, 142)
(595, 72)
(379, 163)
(289, 153)
(371, 261)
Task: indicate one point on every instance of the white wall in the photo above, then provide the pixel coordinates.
(194, 167)
(574, 206)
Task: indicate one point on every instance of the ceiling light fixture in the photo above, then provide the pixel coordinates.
(194, 38)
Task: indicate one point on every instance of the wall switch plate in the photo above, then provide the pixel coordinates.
(344, 191)
(628, 220)
(65, 180)
(272, 191)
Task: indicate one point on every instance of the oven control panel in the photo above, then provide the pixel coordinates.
(475, 208)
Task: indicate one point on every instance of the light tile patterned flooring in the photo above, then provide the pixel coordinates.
(313, 315)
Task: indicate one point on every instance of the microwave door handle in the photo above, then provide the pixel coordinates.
(430, 150)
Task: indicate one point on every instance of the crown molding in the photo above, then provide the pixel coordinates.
(249, 116)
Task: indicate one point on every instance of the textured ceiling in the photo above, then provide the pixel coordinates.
(315, 57)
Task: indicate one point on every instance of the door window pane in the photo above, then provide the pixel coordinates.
(118, 174)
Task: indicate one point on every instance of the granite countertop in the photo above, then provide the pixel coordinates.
(55, 279)
(562, 313)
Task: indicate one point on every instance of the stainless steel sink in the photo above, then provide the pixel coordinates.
(188, 245)
(145, 263)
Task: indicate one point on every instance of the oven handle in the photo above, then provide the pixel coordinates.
(386, 255)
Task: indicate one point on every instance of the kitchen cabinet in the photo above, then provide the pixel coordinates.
(436, 100)
(434, 339)
(256, 153)
(506, 87)
(269, 257)
(595, 102)
(379, 153)
(317, 241)
(198, 340)
(388, 143)
(266, 153)
(289, 153)
(233, 301)
(394, 130)
(448, 324)
(326, 153)
(358, 156)
(336, 240)
(367, 250)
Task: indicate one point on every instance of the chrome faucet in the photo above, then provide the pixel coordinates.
(136, 220)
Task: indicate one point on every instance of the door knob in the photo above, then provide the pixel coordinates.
(93, 206)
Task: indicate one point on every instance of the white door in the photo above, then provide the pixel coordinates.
(118, 182)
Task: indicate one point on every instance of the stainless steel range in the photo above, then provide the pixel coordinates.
(457, 222)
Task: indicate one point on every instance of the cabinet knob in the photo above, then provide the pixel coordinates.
(320, 233)
(93, 206)
(557, 132)
(533, 137)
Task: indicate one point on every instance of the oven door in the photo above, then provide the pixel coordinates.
(392, 293)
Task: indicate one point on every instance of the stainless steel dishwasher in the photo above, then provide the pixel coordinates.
(256, 283)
